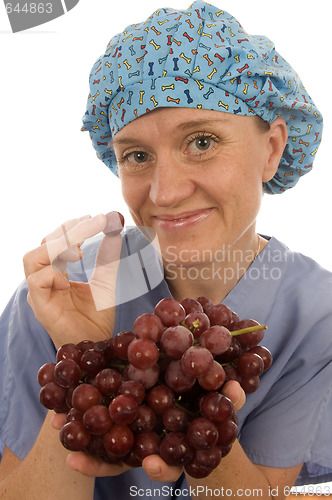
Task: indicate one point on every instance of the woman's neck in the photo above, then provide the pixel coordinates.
(215, 278)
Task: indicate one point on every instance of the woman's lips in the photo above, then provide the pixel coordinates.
(183, 220)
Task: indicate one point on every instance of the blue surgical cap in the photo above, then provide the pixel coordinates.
(201, 58)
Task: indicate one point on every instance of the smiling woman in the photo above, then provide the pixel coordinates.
(198, 119)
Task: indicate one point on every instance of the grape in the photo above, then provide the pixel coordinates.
(250, 384)
(202, 433)
(123, 409)
(216, 407)
(235, 319)
(163, 364)
(175, 419)
(225, 450)
(170, 311)
(148, 378)
(124, 400)
(197, 471)
(52, 396)
(115, 223)
(214, 379)
(46, 374)
(108, 381)
(146, 443)
(69, 351)
(67, 372)
(219, 314)
(85, 396)
(232, 353)
(209, 458)
(250, 364)
(227, 433)
(160, 398)
(197, 361)
(216, 339)
(92, 361)
(175, 449)
(74, 436)
(131, 460)
(231, 373)
(61, 409)
(197, 322)
(135, 389)
(176, 379)
(105, 347)
(143, 353)
(101, 345)
(191, 305)
(251, 339)
(89, 379)
(96, 446)
(148, 326)
(85, 345)
(265, 354)
(108, 351)
(119, 440)
(121, 342)
(74, 414)
(97, 419)
(69, 395)
(145, 420)
(204, 301)
(176, 340)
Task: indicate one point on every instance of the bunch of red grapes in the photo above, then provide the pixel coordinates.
(157, 389)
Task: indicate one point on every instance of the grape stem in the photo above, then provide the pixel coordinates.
(250, 329)
(191, 327)
(117, 366)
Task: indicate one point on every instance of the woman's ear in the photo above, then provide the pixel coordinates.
(276, 141)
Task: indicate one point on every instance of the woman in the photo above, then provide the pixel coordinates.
(197, 118)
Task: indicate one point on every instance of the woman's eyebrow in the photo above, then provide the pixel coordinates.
(199, 123)
(125, 140)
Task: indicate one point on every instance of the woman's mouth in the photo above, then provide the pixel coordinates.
(184, 220)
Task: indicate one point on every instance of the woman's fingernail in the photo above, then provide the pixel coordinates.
(115, 223)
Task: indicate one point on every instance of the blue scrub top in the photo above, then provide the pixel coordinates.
(285, 423)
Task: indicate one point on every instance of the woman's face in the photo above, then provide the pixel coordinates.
(195, 177)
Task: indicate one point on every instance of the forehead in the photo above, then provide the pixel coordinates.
(178, 119)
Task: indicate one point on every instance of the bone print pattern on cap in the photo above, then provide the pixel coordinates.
(200, 58)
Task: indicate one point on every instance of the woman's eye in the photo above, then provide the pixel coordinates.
(203, 143)
(139, 156)
(134, 158)
(197, 144)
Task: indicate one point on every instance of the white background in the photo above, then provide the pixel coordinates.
(48, 169)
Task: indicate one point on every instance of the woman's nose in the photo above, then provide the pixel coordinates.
(170, 184)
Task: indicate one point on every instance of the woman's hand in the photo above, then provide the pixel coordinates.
(74, 311)
(153, 465)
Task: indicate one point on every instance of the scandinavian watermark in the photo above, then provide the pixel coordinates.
(121, 268)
